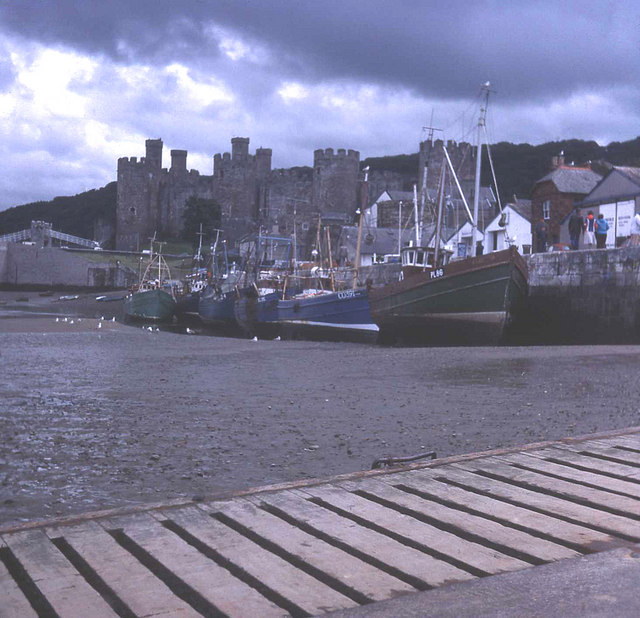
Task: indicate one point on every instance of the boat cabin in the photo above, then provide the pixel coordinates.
(419, 259)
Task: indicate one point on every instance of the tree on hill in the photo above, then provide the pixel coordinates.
(199, 211)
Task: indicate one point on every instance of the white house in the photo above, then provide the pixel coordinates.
(514, 231)
(460, 241)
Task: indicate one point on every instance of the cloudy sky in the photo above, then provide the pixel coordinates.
(83, 82)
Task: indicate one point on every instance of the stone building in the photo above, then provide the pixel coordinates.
(252, 195)
(151, 199)
(555, 195)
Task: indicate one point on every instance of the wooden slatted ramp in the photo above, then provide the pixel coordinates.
(308, 549)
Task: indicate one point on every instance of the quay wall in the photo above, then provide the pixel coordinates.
(590, 296)
(47, 267)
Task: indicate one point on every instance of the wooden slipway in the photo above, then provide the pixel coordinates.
(306, 549)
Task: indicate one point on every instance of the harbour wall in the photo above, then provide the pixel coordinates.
(30, 266)
(590, 296)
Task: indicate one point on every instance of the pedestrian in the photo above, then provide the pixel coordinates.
(602, 227)
(590, 231)
(540, 234)
(576, 226)
(634, 230)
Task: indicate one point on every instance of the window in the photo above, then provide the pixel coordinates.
(546, 210)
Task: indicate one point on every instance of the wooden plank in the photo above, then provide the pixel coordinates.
(303, 590)
(212, 582)
(613, 524)
(423, 481)
(469, 553)
(594, 497)
(367, 580)
(576, 455)
(135, 585)
(538, 461)
(627, 465)
(13, 604)
(630, 441)
(57, 579)
(530, 546)
(379, 547)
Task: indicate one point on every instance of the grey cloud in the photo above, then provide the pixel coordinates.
(435, 48)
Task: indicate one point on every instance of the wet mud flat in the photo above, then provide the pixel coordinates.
(94, 418)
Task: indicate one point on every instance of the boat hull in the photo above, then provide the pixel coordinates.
(151, 305)
(338, 316)
(256, 314)
(216, 310)
(469, 302)
(188, 305)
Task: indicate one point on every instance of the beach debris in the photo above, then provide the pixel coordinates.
(69, 297)
(100, 297)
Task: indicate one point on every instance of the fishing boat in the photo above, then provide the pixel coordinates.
(153, 299)
(442, 301)
(188, 301)
(267, 267)
(320, 314)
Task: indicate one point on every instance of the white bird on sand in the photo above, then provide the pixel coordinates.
(277, 338)
(99, 324)
(113, 319)
(65, 320)
(190, 332)
(255, 339)
(71, 322)
(57, 319)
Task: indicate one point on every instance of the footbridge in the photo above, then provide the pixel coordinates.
(42, 233)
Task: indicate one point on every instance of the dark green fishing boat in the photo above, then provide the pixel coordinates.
(153, 299)
(471, 301)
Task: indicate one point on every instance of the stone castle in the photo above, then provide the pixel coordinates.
(252, 195)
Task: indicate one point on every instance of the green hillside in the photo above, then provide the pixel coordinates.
(72, 215)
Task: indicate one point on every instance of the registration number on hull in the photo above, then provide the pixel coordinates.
(437, 273)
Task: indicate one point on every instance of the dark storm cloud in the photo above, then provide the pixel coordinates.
(439, 49)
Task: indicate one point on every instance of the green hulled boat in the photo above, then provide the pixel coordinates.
(471, 301)
(153, 299)
(156, 305)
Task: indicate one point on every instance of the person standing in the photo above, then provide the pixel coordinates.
(540, 233)
(590, 231)
(576, 226)
(634, 230)
(602, 227)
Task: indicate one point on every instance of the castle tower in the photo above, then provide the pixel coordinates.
(335, 181)
(240, 148)
(431, 154)
(178, 161)
(154, 153)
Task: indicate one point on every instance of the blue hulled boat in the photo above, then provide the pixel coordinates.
(342, 315)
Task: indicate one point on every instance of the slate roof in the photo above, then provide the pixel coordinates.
(572, 179)
(522, 207)
(632, 173)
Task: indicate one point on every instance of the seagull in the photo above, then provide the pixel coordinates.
(113, 319)
(71, 322)
(255, 339)
(99, 324)
(190, 332)
(57, 319)
(277, 338)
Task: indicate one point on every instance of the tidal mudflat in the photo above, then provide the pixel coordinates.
(94, 418)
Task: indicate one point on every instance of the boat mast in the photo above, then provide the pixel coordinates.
(476, 195)
(360, 222)
(415, 214)
(199, 254)
(439, 219)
